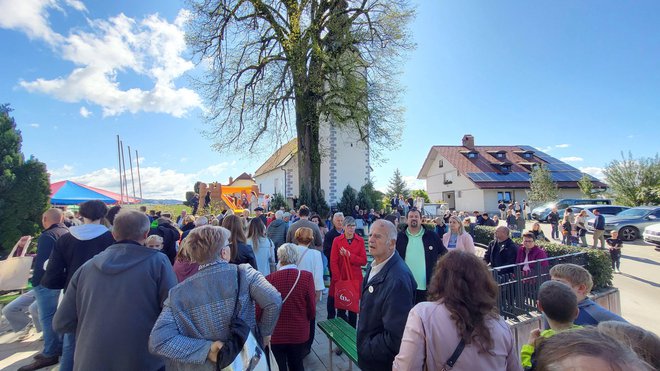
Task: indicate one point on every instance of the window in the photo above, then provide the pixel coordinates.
(527, 155)
(441, 163)
(449, 178)
(504, 196)
(505, 168)
(276, 183)
(472, 155)
(499, 155)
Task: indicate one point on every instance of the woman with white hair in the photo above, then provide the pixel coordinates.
(457, 238)
(298, 309)
(196, 317)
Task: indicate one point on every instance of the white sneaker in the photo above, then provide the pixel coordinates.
(618, 271)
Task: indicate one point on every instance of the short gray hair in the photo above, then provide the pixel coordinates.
(202, 220)
(279, 214)
(389, 227)
(338, 214)
(130, 225)
(349, 220)
(287, 254)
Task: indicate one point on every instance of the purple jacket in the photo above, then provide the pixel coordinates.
(535, 253)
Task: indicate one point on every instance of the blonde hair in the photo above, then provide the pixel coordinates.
(154, 239)
(204, 243)
(461, 228)
(645, 343)
(287, 254)
(304, 236)
(574, 274)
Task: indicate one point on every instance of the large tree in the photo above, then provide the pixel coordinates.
(24, 186)
(279, 68)
(542, 187)
(633, 181)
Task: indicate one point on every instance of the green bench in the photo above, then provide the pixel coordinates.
(343, 335)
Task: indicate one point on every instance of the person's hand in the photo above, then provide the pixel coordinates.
(342, 251)
(213, 352)
(535, 334)
(266, 341)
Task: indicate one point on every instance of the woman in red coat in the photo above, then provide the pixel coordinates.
(348, 245)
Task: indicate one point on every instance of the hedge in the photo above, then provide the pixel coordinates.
(598, 262)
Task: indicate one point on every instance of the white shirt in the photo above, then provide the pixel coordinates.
(376, 268)
(312, 263)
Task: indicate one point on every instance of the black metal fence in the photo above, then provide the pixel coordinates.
(519, 283)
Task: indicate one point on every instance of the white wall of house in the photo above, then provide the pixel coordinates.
(271, 182)
(446, 178)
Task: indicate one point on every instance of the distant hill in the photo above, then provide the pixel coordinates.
(161, 202)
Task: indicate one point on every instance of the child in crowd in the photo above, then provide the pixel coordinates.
(645, 343)
(154, 242)
(573, 239)
(615, 245)
(581, 282)
(559, 305)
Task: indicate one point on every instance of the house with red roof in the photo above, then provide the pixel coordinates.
(470, 177)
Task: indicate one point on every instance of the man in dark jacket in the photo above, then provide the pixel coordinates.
(277, 229)
(420, 249)
(114, 299)
(501, 251)
(170, 234)
(54, 228)
(388, 294)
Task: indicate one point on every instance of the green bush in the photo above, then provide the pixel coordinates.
(598, 261)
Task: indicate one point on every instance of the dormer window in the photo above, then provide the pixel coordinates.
(499, 155)
(527, 155)
(505, 168)
(472, 155)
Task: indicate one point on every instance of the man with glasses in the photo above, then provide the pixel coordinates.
(420, 249)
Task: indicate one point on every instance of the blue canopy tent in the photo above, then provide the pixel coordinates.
(67, 192)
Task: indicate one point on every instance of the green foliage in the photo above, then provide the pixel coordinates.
(322, 207)
(24, 186)
(598, 261)
(586, 186)
(397, 186)
(634, 182)
(542, 188)
(421, 193)
(369, 198)
(349, 199)
(277, 201)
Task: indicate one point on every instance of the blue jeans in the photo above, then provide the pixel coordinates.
(17, 312)
(68, 348)
(47, 303)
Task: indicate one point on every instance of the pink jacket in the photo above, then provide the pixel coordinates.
(463, 242)
(434, 348)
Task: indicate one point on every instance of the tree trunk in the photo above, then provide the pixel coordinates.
(309, 159)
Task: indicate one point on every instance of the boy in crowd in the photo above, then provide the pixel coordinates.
(559, 306)
(581, 282)
(615, 245)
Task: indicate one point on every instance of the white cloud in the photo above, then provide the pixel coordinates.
(562, 145)
(594, 171)
(84, 112)
(571, 159)
(150, 47)
(413, 183)
(157, 183)
(61, 173)
(34, 125)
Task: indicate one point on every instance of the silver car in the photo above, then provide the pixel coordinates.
(630, 223)
(652, 235)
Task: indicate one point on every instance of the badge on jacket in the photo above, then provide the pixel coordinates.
(430, 247)
(371, 289)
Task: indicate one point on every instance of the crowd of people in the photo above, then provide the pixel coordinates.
(143, 291)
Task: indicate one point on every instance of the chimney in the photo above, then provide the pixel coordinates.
(468, 141)
(231, 180)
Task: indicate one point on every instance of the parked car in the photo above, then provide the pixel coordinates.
(630, 223)
(604, 209)
(541, 213)
(652, 235)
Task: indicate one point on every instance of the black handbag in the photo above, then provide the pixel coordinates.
(239, 330)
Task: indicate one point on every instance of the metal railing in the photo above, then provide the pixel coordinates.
(519, 287)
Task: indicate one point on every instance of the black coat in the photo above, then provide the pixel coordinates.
(170, 236)
(501, 253)
(384, 306)
(433, 249)
(245, 255)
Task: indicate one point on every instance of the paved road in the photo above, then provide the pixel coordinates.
(639, 282)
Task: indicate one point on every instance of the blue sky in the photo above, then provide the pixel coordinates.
(580, 80)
